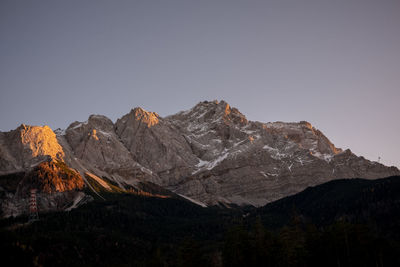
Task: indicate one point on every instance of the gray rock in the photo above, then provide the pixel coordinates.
(245, 162)
(210, 153)
(156, 144)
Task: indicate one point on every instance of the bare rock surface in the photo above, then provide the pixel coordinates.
(156, 144)
(210, 154)
(95, 147)
(245, 162)
(27, 146)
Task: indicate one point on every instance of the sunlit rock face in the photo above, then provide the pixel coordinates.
(51, 177)
(26, 146)
(56, 184)
(33, 158)
(210, 153)
(145, 117)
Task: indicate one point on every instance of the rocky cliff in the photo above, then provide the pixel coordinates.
(210, 153)
(245, 162)
(26, 146)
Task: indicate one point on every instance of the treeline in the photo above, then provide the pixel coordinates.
(124, 230)
(299, 244)
(341, 223)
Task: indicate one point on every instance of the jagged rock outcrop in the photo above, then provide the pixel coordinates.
(95, 142)
(99, 150)
(245, 162)
(26, 146)
(210, 153)
(156, 144)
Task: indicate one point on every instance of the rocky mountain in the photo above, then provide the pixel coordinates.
(26, 146)
(247, 162)
(210, 154)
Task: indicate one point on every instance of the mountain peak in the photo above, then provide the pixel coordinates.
(96, 117)
(306, 124)
(213, 111)
(210, 153)
(149, 118)
(41, 140)
(99, 122)
(304, 134)
(26, 146)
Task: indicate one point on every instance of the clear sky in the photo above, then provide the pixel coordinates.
(335, 63)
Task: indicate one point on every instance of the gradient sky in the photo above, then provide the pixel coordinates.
(335, 63)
